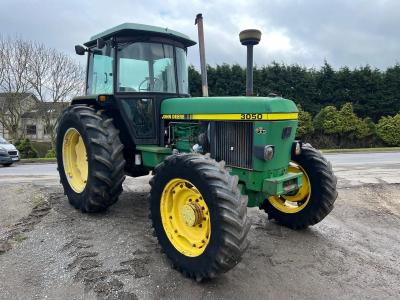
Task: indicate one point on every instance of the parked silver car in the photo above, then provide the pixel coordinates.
(8, 153)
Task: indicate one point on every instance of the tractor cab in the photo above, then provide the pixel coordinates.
(139, 66)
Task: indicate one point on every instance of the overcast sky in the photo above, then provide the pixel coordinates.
(344, 32)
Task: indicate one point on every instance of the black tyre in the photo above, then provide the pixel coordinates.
(217, 241)
(314, 201)
(7, 164)
(89, 158)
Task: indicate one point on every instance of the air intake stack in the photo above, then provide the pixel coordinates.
(249, 38)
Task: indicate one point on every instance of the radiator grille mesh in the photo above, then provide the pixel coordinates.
(234, 143)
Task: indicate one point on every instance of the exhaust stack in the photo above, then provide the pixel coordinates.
(249, 38)
(203, 66)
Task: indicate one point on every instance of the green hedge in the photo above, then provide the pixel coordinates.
(26, 149)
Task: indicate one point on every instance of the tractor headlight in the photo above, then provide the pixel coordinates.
(268, 152)
(296, 148)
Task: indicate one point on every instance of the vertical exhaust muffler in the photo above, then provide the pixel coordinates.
(203, 66)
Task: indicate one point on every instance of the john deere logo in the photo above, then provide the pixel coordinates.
(260, 130)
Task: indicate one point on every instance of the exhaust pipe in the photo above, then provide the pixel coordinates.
(203, 66)
(249, 38)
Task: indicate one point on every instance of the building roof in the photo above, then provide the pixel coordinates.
(8, 95)
(43, 108)
(132, 29)
(6, 99)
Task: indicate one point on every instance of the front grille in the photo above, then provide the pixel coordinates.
(234, 143)
(12, 152)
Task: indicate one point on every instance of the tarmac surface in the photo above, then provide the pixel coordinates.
(48, 250)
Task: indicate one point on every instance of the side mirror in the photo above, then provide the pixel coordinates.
(100, 43)
(80, 50)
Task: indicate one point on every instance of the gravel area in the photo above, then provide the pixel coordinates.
(48, 250)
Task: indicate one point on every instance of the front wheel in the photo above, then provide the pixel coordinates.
(314, 200)
(7, 164)
(198, 215)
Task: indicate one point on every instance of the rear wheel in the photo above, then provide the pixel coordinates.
(199, 215)
(90, 159)
(314, 200)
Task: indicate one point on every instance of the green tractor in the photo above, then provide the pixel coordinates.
(211, 157)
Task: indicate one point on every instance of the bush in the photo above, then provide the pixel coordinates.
(328, 121)
(41, 147)
(51, 153)
(305, 126)
(388, 130)
(26, 149)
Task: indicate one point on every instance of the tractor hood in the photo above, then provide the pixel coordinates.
(229, 108)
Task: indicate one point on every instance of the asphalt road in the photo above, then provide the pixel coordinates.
(351, 169)
(52, 251)
(356, 159)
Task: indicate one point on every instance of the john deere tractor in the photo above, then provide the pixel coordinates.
(210, 157)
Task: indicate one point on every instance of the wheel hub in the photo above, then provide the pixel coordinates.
(191, 214)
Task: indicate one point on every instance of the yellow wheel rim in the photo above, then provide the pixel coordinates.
(185, 217)
(75, 160)
(297, 201)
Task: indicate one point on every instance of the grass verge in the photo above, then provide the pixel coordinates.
(36, 160)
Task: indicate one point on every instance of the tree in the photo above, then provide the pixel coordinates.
(194, 82)
(54, 78)
(31, 68)
(372, 92)
(14, 60)
(388, 130)
(12, 107)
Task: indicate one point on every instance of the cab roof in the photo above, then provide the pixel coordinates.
(132, 29)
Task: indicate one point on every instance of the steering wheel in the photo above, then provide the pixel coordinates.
(145, 80)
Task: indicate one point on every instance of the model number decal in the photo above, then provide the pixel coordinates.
(251, 116)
